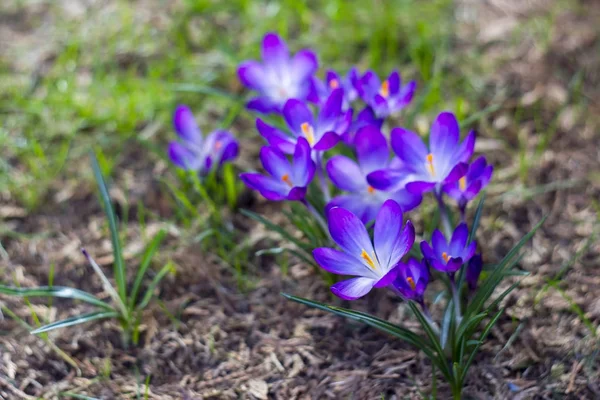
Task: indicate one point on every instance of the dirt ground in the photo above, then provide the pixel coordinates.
(223, 344)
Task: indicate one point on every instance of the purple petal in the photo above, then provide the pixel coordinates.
(182, 157)
(327, 141)
(394, 82)
(345, 174)
(340, 263)
(296, 194)
(303, 169)
(427, 251)
(355, 203)
(391, 241)
(458, 240)
(349, 232)
(275, 163)
(470, 251)
(473, 271)
(251, 74)
(332, 108)
(456, 173)
(407, 200)
(222, 146)
(353, 289)
(445, 134)
(409, 147)
(387, 279)
(380, 106)
(439, 244)
(275, 137)
(371, 149)
(297, 113)
(407, 93)
(262, 105)
(185, 125)
(472, 190)
(466, 148)
(420, 186)
(454, 264)
(274, 50)
(304, 64)
(269, 187)
(476, 169)
(387, 179)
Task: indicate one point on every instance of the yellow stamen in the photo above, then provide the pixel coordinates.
(385, 89)
(334, 84)
(365, 256)
(286, 179)
(309, 132)
(411, 282)
(462, 183)
(430, 167)
(371, 189)
(445, 256)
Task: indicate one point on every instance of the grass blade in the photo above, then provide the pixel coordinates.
(159, 276)
(119, 264)
(79, 319)
(56, 291)
(146, 259)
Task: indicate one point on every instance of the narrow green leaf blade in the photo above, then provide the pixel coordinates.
(79, 319)
(145, 264)
(55, 291)
(119, 264)
(157, 278)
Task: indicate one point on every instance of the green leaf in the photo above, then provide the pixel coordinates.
(119, 264)
(146, 259)
(80, 319)
(472, 235)
(150, 291)
(55, 291)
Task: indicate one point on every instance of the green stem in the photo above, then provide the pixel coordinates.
(445, 218)
(322, 180)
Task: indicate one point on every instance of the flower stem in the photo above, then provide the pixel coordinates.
(428, 317)
(445, 218)
(455, 299)
(322, 180)
(317, 216)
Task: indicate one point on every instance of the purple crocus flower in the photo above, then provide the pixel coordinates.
(196, 153)
(387, 97)
(364, 118)
(280, 77)
(372, 264)
(473, 271)
(286, 181)
(363, 200)
(424, 169)
(321, 133)
(333, 81)
(449, 257)
(468, 187)
(412, 279)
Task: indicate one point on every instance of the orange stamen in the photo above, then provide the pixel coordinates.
(309, 132)
(218, 145)
(286, 179)
(445, 256)
(334, 84)
(411, 282)
(365, 256)
(371, 189)
(462, 183)
(385, 89)
(430, 167)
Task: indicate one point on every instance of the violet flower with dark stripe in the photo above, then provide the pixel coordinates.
(468, 187)
(321, 133)
(372, 264)
(285, 181)
(425, 169)
(449, 257)
(193, 151)
(363, 200)
(412, 280)
(334, 81)
(387, 97)
(473, 271)
(279, 77)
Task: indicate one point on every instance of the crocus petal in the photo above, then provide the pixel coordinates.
(230, 151)
(262, 105)
(327, 141)
(349, 232)
(355, 203)
(387, 279)
(297, 113)
(380, 106)
(275, 162)
(345, 174)
(183, 157)
(469, 251)
(274, 49)
(352, 289)
(332, 108)
(454, 264)
(269, 187)
(407, 200)
(340, 263)
(251, 74)
(185, 125)
(473, 271)
(459, 239)
(371, 149)
(476, 168)
(420, 186)
(407, 93)
(409, 147)
(472, 190)
(456, 173)
(303, 168)
(439, 244)
(296, 194)
(466, 148)
(445, 134)
(387, 179)
(394, 82)
(427, 251)
(391, 242)
(275, 137)
(304, 64)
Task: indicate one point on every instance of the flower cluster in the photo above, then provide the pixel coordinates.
(372, 186)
